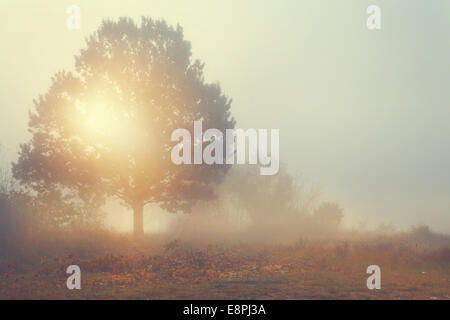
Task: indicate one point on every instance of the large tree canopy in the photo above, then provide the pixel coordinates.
(104, 130)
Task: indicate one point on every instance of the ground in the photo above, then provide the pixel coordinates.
(304, 270)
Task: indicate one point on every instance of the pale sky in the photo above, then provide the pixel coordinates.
(364, 115)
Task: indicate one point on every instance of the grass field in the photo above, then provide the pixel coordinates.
(304, 270)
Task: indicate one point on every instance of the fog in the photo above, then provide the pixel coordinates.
(363, 116)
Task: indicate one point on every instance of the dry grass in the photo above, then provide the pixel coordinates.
(176, 270)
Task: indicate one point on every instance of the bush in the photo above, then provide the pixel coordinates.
(11, 227)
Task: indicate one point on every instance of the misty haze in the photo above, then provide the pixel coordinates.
(354, 168)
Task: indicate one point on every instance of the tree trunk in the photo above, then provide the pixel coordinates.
(138, 220)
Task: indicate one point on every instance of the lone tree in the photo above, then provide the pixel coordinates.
(104, 129)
